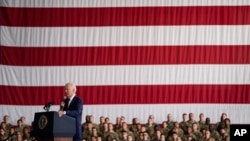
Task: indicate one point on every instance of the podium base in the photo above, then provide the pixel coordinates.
(56, 139)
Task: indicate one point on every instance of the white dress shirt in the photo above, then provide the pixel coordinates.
(71, 99)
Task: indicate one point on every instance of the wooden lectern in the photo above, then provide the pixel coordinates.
(48, 126)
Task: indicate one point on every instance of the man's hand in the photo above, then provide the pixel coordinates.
(60, 113)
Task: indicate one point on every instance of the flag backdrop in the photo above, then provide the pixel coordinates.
(127, 57)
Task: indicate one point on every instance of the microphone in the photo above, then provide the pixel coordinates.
(62, 104)
(47, 106)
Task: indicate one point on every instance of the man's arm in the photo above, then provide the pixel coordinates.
(78, 109)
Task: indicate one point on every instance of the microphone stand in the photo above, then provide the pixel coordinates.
(47, 106)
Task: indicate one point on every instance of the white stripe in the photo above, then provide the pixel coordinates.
(125, 75)
(118, 3)
(238, 113)
(125, 36)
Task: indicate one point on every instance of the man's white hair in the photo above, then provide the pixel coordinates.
(72, 84)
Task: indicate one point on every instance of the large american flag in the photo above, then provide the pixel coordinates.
(127, 57)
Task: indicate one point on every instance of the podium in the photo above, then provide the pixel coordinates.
(48, 126)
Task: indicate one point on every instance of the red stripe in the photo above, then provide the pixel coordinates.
(61, 56)
(140, 94)
(126, 16)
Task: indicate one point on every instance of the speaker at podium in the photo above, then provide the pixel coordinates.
(48, 126)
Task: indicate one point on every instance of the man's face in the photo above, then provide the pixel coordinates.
(191, 116)
(207, 133)
(169, 117)
(202, 117)
(6, 119)
(145, 136)
(69, 90)
(12, 130)
(195, 126)
(227, 122)
(110, 127)
(185, 117)
(20, 122)
(224, 116)
(102, 119)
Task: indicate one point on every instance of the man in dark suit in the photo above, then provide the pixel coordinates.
(72, 106)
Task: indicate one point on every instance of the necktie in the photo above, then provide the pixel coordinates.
(69, 102)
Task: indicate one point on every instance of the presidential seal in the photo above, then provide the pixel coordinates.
(42, 122)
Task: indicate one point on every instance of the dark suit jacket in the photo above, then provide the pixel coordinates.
(75, 110)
